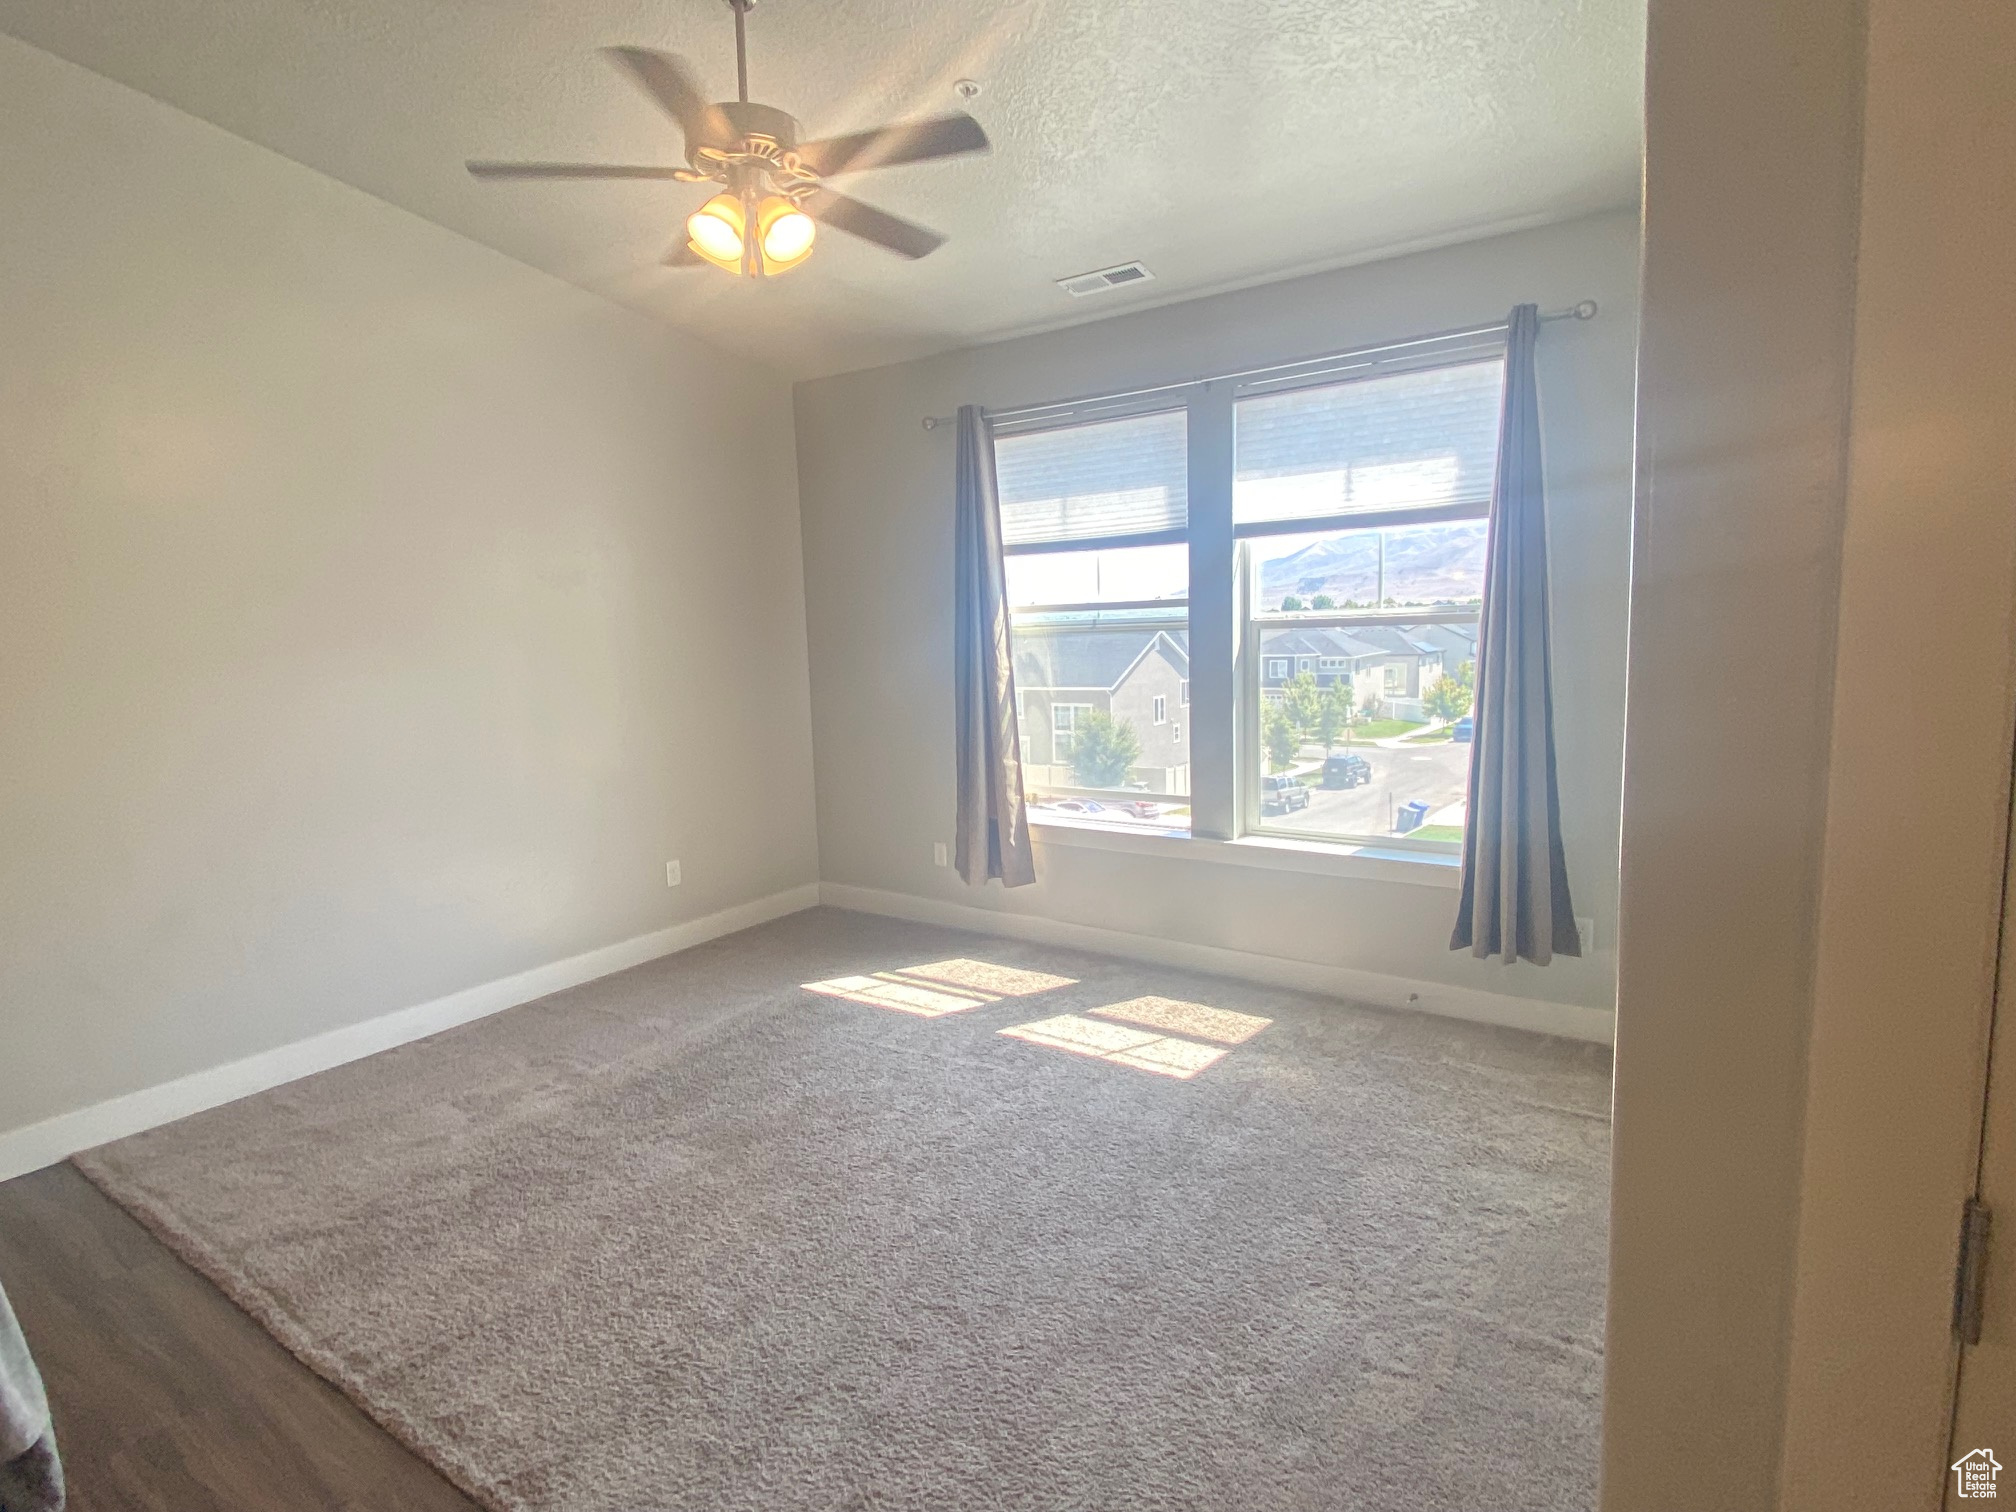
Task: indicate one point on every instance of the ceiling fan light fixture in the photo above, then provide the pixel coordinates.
(787, 234)
(716, 229)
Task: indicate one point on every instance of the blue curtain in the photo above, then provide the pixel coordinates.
(992, 824)
(1515, 902)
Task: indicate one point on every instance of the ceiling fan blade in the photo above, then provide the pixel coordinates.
(572, 171)
(909, 142)
(668, 80)
(905, 238)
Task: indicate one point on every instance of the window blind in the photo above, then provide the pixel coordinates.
(1095, 481)
(1421, 439)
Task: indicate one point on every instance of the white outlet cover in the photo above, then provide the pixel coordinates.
(671, 873)
(938, 854)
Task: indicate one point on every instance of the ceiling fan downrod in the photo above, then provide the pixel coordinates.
(741, 9)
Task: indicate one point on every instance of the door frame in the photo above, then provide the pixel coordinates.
(1919, 774)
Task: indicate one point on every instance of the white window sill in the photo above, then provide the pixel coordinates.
(1314, 858)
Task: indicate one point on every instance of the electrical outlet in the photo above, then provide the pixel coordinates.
(671, 873)
(938, 855)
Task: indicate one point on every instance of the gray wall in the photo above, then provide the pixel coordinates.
(377, 615)
(876, 494)
(1911, 905)
(1752, 146)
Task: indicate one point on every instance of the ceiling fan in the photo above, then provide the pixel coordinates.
(770, 180)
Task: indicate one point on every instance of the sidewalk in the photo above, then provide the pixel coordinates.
(1411, 738)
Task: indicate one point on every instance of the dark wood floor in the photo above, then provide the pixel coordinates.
(166, 1396)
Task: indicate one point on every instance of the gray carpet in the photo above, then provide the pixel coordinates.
(694, 1237)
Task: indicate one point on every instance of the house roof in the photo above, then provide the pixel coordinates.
(1460, 639)
(1091, 658)
(1400, 641)
(1357, 643)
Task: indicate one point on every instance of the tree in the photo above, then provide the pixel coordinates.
(1279, 736)
(1301, 699)
(1102, 749)
(1322, 601)
(1334, 716)
(1447, 698)
(1290, 603)
(1373, 706)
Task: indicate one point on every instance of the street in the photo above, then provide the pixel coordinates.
(1436, 773)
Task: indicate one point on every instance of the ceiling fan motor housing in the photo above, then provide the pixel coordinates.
(749, 119)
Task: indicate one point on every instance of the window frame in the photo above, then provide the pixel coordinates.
(1226, 761)
(1151, 615)
(1252, 624)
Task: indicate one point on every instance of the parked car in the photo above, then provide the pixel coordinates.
(1281, 793)
(1346, 769)
(1463, 731)
(1140, 808)
(1078, 806)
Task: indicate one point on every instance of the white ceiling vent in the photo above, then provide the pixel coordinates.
(1081, 284)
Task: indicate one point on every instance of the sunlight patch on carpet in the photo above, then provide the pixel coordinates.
(1140, 1048)
(1196, 1020)
(937, 988)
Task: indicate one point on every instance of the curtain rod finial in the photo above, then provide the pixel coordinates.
(1586, 310)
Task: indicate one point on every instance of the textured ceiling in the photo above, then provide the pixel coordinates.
(1221, 143)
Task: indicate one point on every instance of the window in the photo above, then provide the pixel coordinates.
(1346, 552)
(1360, 509)
(1064, 720)
(1095, 529)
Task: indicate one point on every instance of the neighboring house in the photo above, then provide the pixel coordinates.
(1140, 676)
(1458, 643)
(1387, 664)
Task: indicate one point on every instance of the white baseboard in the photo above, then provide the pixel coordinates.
(1568, 1020)
(58, 1138)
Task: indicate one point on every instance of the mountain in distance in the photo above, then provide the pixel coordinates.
(1425, 564)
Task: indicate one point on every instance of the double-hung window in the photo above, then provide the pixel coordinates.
(1095, 529)
(1360, 507)
(1338, 517)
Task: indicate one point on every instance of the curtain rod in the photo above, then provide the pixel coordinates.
(1583, 310)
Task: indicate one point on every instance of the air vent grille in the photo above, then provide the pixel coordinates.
(1080, 284)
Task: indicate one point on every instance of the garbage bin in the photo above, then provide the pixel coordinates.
(1410, 817)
